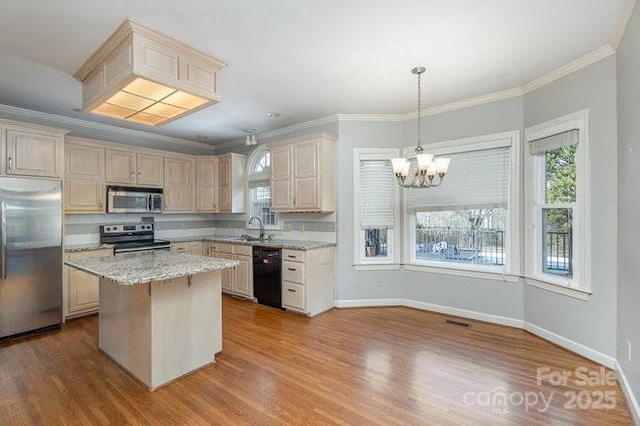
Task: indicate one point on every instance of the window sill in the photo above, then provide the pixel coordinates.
(376, 266)
(471, 273)
(576, 293)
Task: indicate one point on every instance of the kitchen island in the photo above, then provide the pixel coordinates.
(160, 314)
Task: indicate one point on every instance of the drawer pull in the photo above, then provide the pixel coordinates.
(291, 269)
(290, 256)
(291, 290)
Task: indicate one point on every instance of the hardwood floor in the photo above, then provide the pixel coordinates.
(386, 366)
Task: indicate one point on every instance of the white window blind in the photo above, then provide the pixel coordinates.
(376, 194)
(540, 146)
(475, 179)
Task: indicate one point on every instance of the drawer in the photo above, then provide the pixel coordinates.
(211, 250)
(295, 255)
(293, 271)
(242, 250)
(179, 246)
(293, 295)
(225, 248)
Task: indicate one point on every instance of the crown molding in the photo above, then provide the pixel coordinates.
(573, 66)
(621, 26)
(47, 119)
(371, 117)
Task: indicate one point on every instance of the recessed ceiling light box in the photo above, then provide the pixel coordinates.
(142, 76)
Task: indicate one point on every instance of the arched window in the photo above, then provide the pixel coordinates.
(259, 193)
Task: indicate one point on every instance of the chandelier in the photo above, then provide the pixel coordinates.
(428, 165)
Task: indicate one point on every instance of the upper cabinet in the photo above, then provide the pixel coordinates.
(178, 184)
(131, 168)
(303, 174)
(231, 182)
(32, 150)
(207, 184)
(84, 177)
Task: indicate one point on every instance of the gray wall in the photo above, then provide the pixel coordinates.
(591, 323)
(629, 200)
(485, 296)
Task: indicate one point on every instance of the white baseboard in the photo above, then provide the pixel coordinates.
(569, 344)
(495, 319)
(632, 401)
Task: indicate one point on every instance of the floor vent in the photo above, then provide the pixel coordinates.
(457, 323)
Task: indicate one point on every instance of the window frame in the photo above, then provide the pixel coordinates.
(392, 260)
(253, 176)
(579, 285)
(511, 269)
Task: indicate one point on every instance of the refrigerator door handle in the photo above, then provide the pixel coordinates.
(3, 240)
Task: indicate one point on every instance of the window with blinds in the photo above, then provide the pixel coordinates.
(464, 223)
(376, 194)
(376, 205)
(476, 179)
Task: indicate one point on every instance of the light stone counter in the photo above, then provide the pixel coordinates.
(141, 268)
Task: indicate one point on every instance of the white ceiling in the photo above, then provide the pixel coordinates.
(305, 58)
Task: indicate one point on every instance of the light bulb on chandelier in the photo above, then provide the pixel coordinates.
(428, 166)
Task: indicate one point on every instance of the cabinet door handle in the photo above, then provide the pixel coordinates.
(10, 163)
(291, 290)
(291, 269)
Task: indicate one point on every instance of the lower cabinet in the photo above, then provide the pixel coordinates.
(308, 280)
(193, 247)
(237, 280)
(81, 288)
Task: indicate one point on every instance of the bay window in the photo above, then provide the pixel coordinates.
(470, 222)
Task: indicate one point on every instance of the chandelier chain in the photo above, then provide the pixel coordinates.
(419, 108)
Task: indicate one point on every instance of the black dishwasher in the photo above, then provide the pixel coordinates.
(267, 276)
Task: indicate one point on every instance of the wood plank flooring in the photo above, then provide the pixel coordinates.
(373, 366)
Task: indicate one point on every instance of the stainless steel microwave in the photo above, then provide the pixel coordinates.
(128, 199)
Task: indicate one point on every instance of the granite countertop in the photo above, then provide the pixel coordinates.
(140, 268)
(86, 247)
(276, 243)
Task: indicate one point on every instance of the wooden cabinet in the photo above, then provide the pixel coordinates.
(84, 190)
(31, 150)
(81, 288)
(303, 174)
(308, 280)
(128, 167)
(180, 247)
(178, 184)
(231, 183)
(207, 184)
(238, 280)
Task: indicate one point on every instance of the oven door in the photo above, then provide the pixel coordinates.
(120, 200)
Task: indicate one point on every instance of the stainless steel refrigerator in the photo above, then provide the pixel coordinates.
(30, 255)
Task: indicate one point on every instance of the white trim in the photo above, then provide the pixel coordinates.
(377, 267)
(374, 117)
(424, 306)
(547, 335)
(571, 345)
(460, 272)
(59, 120)
(566, 69)
(576, 293)
(621, 26)
(632, 401)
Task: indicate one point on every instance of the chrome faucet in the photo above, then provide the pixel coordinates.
(261, 226)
